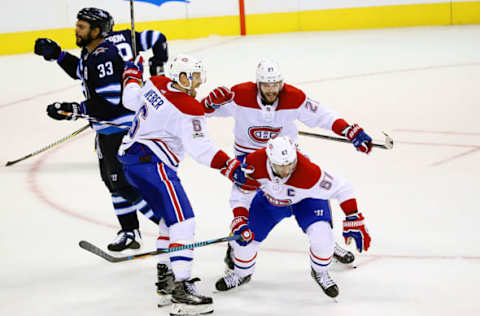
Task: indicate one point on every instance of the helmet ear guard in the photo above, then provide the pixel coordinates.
(187, 65)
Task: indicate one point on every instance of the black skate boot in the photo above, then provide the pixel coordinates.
(126, 240)
(230, 281)
(187, 301)
(228, 258)
(343, 255)
(326, 283)
(165, 284)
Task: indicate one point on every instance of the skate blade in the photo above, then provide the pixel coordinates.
(191, 310)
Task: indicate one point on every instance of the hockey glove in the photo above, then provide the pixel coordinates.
(133, 72)
(240, 227)
(354, 228)
(72, 108)
(218, 97)
(156, 66)
(358, 137)
(238, 173)
(47, 48)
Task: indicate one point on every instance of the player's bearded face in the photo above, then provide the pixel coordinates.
(83, 33)
(270, 90)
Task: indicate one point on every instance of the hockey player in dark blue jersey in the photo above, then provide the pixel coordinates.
(154, 40)
(100, 68)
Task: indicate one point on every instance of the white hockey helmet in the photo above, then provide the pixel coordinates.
(282, 152)
(188, 65)
(268, 71)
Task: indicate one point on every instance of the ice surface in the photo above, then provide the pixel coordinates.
(420, 85)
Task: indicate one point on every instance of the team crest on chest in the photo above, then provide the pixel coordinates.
(277, 202)
(261, 134)
(100, 50)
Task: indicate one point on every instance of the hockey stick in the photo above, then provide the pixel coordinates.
(58, 142)
(387, 145)
(92, 120)
(132, 23)
(99, 252)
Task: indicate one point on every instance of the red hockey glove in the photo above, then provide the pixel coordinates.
(133, 72)
(358, 137)
(354, 228)
(218, 97)
(240, 227)
(238, 173)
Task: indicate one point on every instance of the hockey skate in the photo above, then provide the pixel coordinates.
(165, 284)
(328, 286)
(230, 281)
(186, 300)
(343, 255)
(126, 240)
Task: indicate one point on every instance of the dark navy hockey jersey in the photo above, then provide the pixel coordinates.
(144, 41)
(101, 74)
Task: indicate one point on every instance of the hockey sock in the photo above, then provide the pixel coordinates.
(125, 212)
(322, 244)
(182, 233)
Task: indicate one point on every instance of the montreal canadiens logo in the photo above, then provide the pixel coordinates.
(277, 202)
(261, 134)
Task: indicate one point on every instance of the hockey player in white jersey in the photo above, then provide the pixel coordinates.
(292, 185)
(168, 123)
(269, 108)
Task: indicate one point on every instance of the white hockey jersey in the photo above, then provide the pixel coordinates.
(169, 122)
(307, 181)
(256, 123)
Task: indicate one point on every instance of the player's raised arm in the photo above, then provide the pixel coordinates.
(215, 103)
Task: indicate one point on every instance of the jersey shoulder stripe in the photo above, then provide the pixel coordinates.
(290, 98)
(306, 174)
(258, 160)
(183, 102)
(246, 95)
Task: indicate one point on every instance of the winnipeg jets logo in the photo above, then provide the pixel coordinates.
(100, 50)
(261, 134)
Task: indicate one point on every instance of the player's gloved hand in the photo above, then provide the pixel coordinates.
(133, 72)
(156, 66)
(71, 109)
(47, 48)
(218, 97)
(238, 173)
(358, 137)
(240, 227)
(354, 228)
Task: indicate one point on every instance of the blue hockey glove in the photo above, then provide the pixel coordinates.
(358, 137)
(72, 109)
(240, 227)
(47, 48)
(238, 173)
(354, 228)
